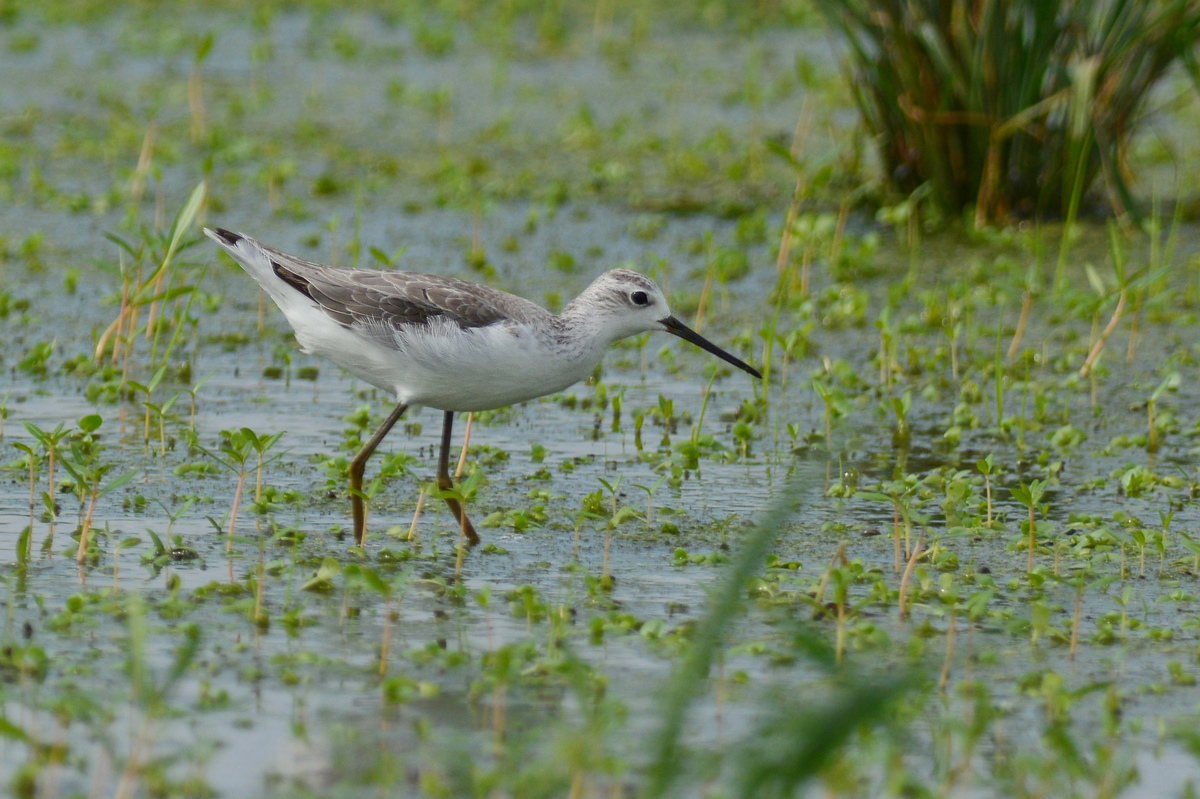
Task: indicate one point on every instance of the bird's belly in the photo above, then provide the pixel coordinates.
(503, 377)
(484, 392)
(482, 368)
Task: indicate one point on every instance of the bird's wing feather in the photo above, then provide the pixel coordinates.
(368, 300)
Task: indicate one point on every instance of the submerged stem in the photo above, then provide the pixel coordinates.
(87, 525)
(1032, 534)
(237, 499)
(1108, 330)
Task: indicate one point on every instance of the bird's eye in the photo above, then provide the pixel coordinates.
(639, 298)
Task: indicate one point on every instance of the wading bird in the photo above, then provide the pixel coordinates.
(449, 344)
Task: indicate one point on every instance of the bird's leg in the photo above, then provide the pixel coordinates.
(444, 482)
(359, 465)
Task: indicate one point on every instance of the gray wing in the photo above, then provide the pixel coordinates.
(365, 300)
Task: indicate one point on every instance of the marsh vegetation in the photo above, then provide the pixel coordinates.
(950, 546)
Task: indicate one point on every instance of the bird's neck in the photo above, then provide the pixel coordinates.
(583, 333)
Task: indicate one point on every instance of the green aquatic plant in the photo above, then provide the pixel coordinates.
(37, 359)
(1081, 581)
(51, 442)
(192, 392)
(1137, 534)
(904, 495)
(795, 344)
(887, 349)
(902, 433)
(148, 390)
(615, 518)
(1169, 383)
(84, 466)
(589, 509)
(837, 406)
(986, 467)
(25, 540)
(261, 444)
(165, 283)
(237, 446)
(1030, 496)
(174, 517)
(1160, 538)
(650, 491)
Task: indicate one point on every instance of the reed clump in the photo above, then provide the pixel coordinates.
(1015, 108)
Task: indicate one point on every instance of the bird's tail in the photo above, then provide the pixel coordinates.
(246, 251)
(254, 258)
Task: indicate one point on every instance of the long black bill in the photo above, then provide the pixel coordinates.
(677, 328)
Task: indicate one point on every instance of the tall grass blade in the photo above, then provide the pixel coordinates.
(687, 680)
(793, 743)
